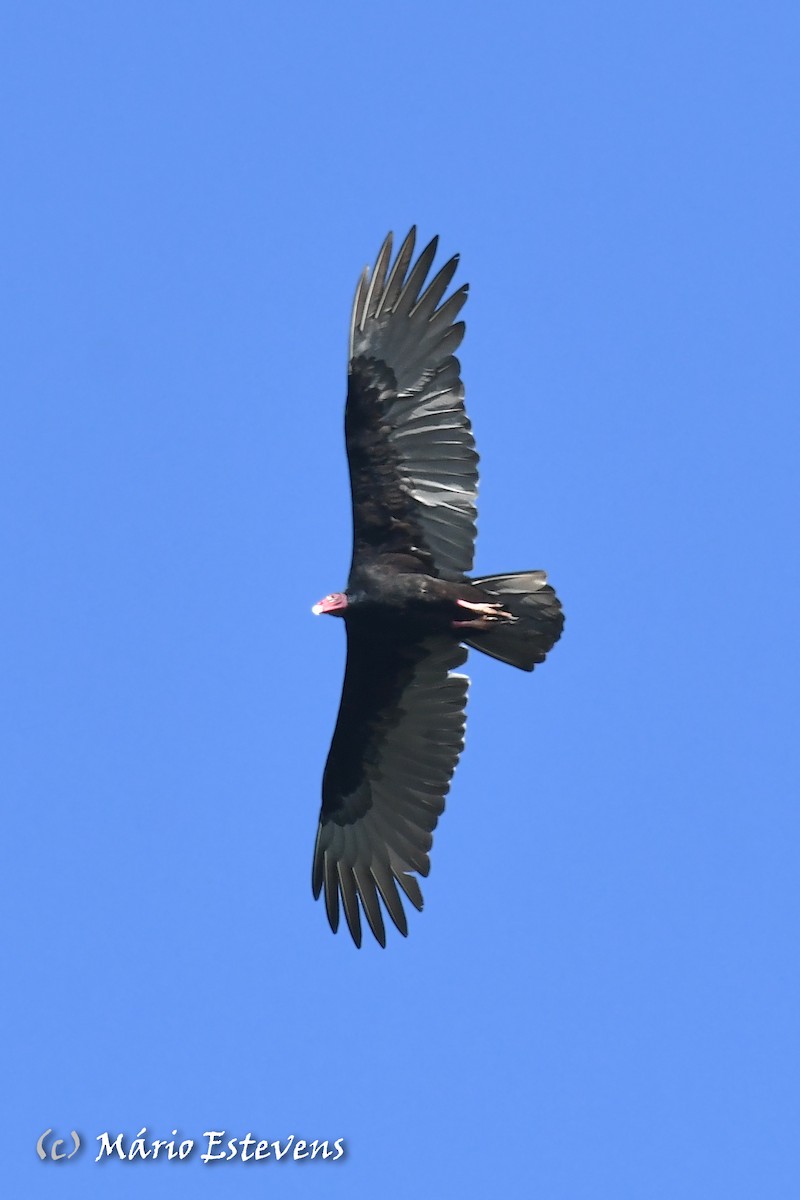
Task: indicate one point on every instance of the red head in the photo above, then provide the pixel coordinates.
(335, 604)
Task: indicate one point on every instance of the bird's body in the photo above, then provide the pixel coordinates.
(409, 603)
(385, 591)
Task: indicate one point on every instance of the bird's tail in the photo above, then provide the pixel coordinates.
(525, 641)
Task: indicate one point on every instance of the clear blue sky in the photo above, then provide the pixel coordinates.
(601, 997)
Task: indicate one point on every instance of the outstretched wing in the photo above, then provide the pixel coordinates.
(398, 736)
(413, 465)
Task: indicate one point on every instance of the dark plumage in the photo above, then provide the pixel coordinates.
(409, 605)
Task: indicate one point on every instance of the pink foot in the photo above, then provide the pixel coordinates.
(489, 612)
(487, 616)
(486, 610)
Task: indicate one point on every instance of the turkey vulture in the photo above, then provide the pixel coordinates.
(409, 605)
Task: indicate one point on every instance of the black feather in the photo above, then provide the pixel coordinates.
(414, 483)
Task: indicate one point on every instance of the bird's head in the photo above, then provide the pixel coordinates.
(335, 604)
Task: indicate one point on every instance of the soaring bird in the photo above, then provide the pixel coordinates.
(409, 608)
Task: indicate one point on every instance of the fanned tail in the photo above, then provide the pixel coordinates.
(524, 642)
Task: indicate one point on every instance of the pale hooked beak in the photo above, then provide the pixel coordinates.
(317, 610)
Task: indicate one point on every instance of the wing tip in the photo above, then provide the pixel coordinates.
(349, 893)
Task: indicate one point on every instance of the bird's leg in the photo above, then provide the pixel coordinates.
(492, 611)
(487, 615)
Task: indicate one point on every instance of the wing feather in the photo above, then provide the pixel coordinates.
(385, 882)
(419, 273)
(376, 283)
(347, 887)
(331, 890)
(430, 298)
(413, 464)
(365, 886)
(412, 889)
(398, 737)
(359, 303)
(394, 283)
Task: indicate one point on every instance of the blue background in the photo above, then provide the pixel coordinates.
(601, 997)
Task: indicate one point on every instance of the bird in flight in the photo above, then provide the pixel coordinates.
(409, 608)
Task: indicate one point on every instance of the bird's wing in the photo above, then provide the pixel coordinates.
(413, 465)
(398, 736)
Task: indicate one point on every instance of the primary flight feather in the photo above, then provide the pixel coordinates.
(409, 605)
